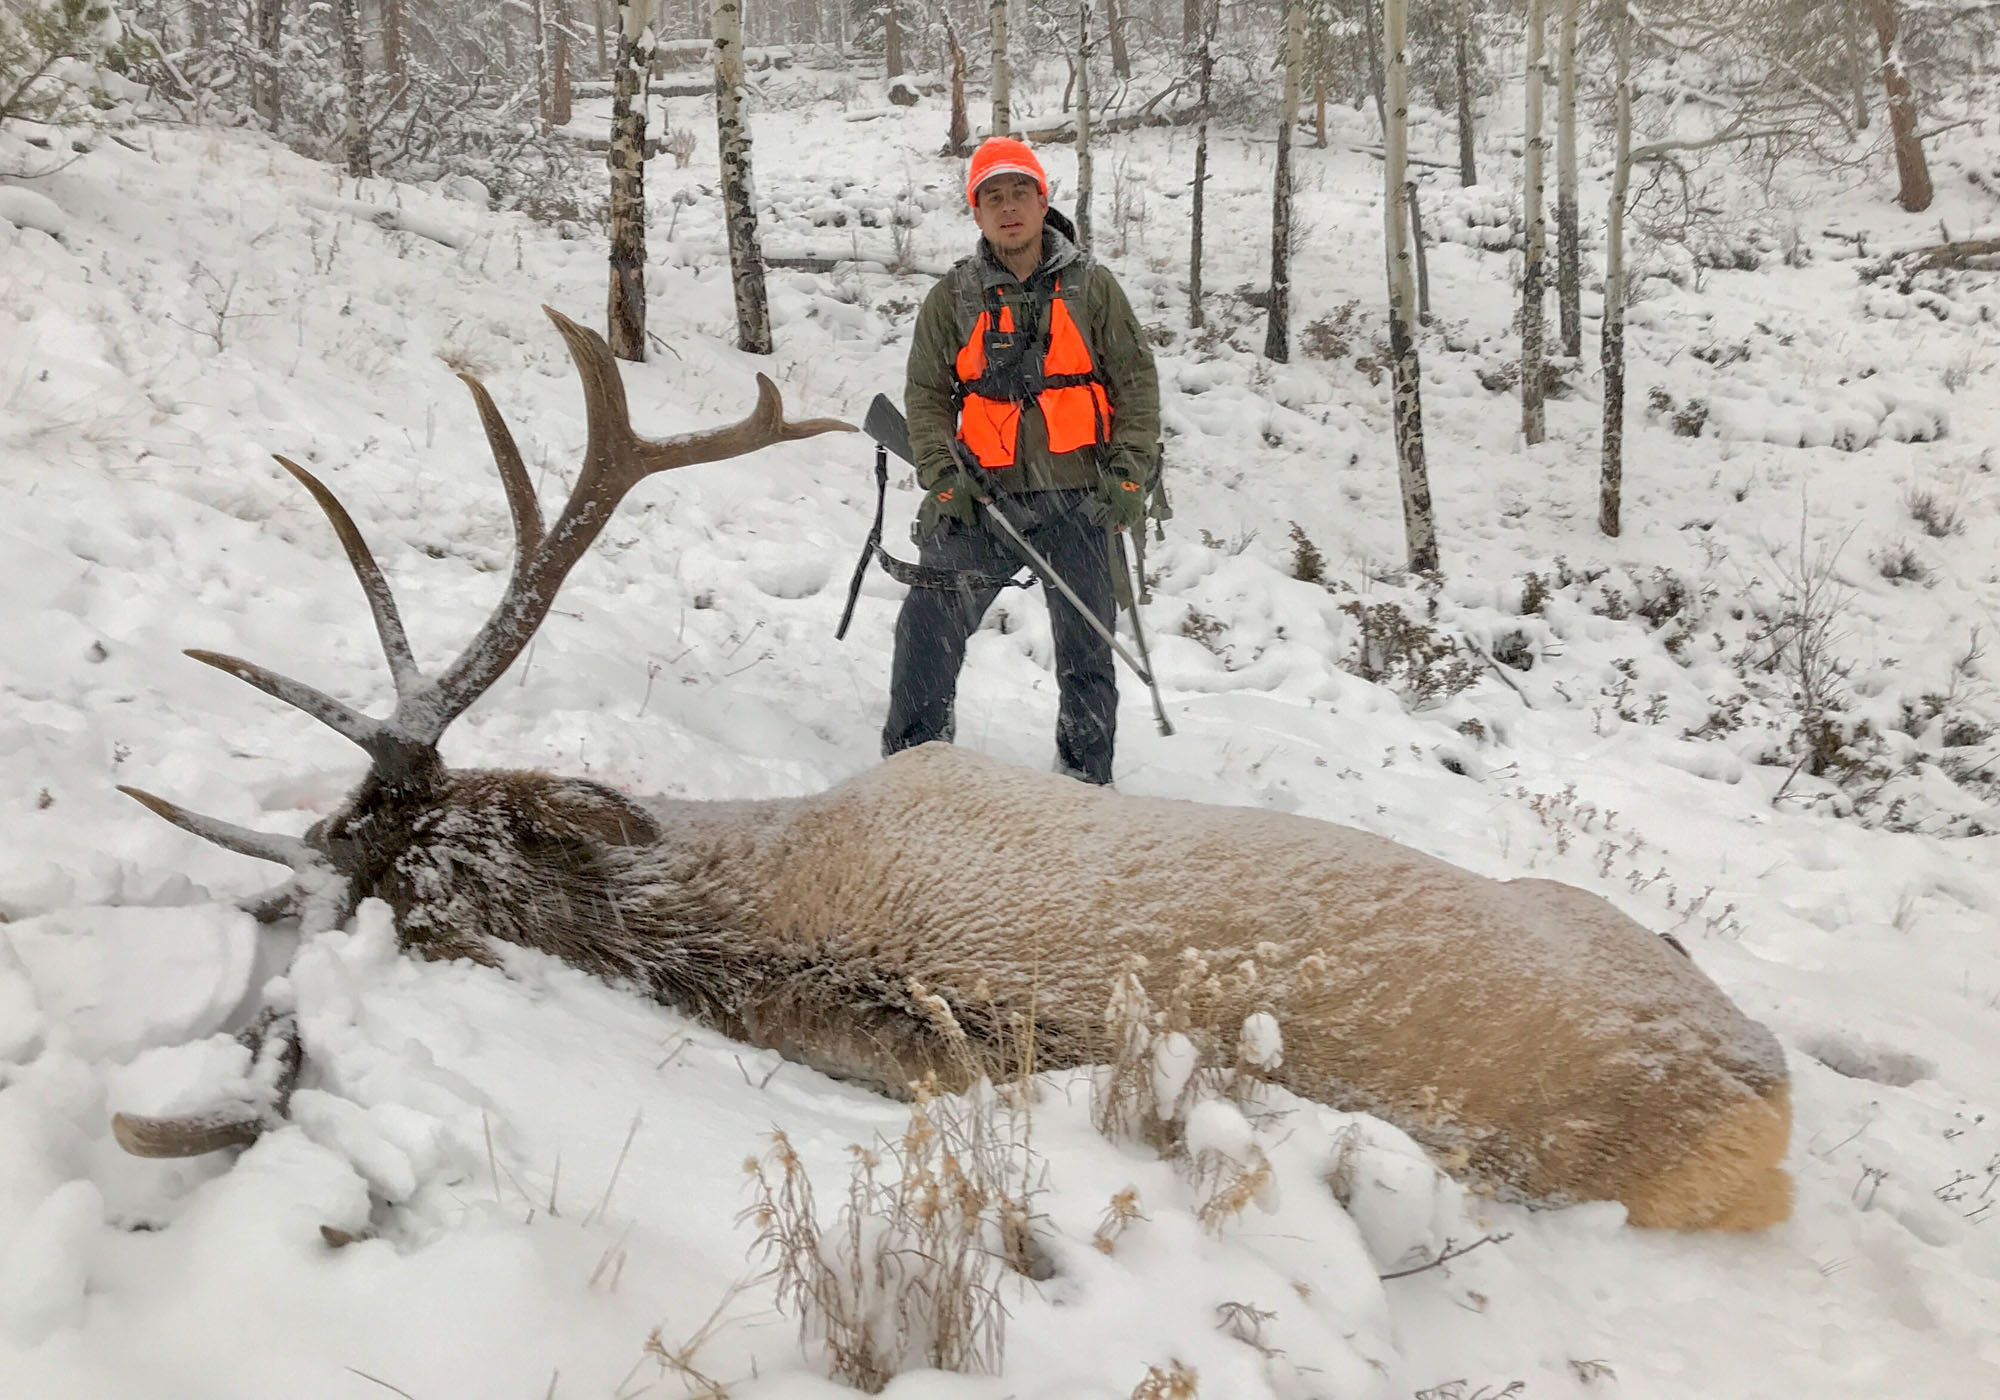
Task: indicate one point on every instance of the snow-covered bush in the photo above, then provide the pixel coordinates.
(51, 54)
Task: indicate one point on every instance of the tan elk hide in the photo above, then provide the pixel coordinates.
(1527, 1032)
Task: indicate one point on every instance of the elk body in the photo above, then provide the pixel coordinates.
(1524, 1029)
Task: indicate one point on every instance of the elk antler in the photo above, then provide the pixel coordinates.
(273, 1042)
(615, 460)
(405, 743)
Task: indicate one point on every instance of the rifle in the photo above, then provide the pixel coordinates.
(885, 423)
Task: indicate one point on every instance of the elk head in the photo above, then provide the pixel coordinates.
(366, 847)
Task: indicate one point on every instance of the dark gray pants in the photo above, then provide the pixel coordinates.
(935, 623)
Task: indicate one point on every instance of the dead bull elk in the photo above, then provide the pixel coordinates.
(1523, 1028)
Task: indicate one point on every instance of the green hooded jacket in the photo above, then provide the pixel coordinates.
(1117, 347)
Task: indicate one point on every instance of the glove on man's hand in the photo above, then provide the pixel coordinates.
(1122, 499)
(953, 496)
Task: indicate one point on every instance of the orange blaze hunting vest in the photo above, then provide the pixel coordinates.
(1065, 387)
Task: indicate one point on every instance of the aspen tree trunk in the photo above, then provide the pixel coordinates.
(1468, 166)
(394, 61)
(1114, 26)
(1533, 424)
(1083, 170)
(892, 41)
(1912, 170)
(958, 136)
(1206, 61)
(1192, 26)
(597, 18)
(1611, 350)
(1319, 111)
(739, 200)
(561, 94)
(1377, 22)
(1857, 63)
(1003, 71)
(545, 98)
(267, 18)
(1569, 253)
(1419, 525)
(1417, 245)
(354, 82)
(1278, 332)
(625, 328)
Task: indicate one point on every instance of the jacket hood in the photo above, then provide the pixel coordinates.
(1059, 251)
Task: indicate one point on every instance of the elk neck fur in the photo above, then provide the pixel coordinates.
(1529, 1033)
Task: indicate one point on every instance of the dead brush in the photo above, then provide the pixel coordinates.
(1308, 563)
(908, 1276)
(1178, 1381)
(1167, 1062)
(1410, 656)
(460, 360)
(1939, 518)
(1118, 1217)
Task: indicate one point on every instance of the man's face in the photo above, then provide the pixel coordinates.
(1009, 212)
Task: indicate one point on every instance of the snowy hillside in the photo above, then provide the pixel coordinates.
(542, 1176)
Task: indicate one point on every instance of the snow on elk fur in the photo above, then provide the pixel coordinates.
(1529, 1033)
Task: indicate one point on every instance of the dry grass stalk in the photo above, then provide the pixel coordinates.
(1237, 1184)
(680, 1359)
(908, 1276)
(1166, 1060)
(1123, 1210)
(1245, 1322)
(1177, 1382)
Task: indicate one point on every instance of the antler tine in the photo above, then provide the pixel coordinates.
(143, 1135)
(381, 602)
(276, 1059)
(513, 475)
(615, 460)
(264, 845)
(341, 719)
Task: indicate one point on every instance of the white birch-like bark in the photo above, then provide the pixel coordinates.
(1419, 524)
(739, 198)
(354, 82)
(1533, 273)
(1569, 251)
(1278, 326)
(1611, 475)
(1003, 70)
(625, 315)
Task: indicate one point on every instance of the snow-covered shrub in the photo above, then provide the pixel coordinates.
(1898, 562)
(1849, 416)
(1939, 518)
(1411, 657)
(1478, 216)
(52, 53)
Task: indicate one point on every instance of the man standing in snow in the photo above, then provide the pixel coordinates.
(1031, 389)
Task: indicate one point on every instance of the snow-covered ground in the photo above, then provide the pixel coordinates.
(549, 1171)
